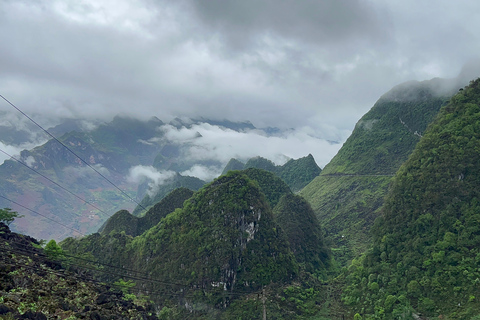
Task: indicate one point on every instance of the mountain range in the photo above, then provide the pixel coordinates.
(389, 229)
(84, 176)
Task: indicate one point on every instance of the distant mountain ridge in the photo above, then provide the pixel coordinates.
(297, 173)
(113, 149)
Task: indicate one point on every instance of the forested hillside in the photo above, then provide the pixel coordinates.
(222, 249)
(425, 255)
(349, 192)
(296, 173)
(178, 181)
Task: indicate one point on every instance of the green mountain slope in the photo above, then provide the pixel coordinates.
(426, 252)
(233, 165)
(300, 172)
(348, 193)
(296, 173)
(212, 238)
(214, 256)
(297, 219)
(123, 221)
(272, 186)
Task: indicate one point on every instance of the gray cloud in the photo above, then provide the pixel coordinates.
(207, 142)
(243, 23)
(291, 64)
(155, 178)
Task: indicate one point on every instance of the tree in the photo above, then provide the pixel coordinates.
(7, 216)
(53, 250)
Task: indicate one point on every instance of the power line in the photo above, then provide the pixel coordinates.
(58, 185)
(71, 151)
(142, 276)
(152, 281)
(38, 213)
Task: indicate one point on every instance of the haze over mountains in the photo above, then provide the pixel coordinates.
(139, 157)
(397, 206)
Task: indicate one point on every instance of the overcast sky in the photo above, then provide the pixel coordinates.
(287, 63)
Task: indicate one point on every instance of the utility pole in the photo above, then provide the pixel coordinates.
(263, 300)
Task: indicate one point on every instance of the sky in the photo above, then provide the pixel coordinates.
(312, 66)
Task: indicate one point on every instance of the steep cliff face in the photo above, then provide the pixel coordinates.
(222, 244)
(224, 236)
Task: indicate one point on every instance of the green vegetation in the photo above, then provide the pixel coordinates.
(7, 216)
(123, 221)
(349, 192)
(272, 187)
(296, 173)
(297, 219)
(233, 165)
(178, 181)
(426, 252)
(33, 286)
(220, 250)
(212, 239)
(261, 163)
(53, 250)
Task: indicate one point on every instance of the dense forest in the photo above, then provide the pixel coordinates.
(425, 254)
(348, 194)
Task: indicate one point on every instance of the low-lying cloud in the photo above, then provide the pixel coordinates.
(205, 173)
(206, 142)
(155, 178)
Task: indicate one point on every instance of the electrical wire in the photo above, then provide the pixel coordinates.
(38, 213)
(71, 151)
(40, 255)
(139, 277)
(55, 183)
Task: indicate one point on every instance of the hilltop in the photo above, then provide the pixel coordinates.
(219, 251)
(296, 173)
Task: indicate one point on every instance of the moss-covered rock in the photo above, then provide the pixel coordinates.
(32, 286)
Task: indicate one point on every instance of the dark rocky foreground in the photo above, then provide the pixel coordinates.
(35, 286)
